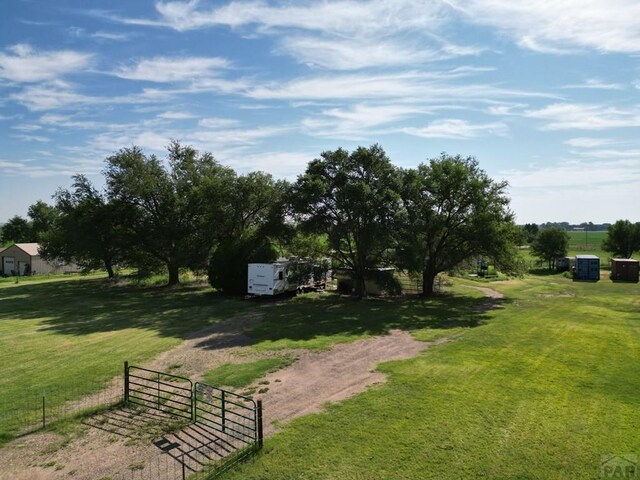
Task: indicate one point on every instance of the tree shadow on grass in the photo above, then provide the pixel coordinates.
(329, 315)
(89, 306)
(92, 306)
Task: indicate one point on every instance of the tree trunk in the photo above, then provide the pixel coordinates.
(359, 281)
(109, 267)
(428, 277)
(174, 273)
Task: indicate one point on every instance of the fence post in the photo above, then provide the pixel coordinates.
(259, 421)
(126, 382)
(44, 409)
(184, 470)
(224, 407)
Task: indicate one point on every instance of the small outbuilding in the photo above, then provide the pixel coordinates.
(624, 270)
(587, 268)
(24, 259)
(564, 264)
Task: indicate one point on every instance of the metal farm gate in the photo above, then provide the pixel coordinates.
(229, 424)
(235, 416)
(162, 391)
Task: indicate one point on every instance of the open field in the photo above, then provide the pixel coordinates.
(579, 244)
(539, 388)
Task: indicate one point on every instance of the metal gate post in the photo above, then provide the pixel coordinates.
(259, 422)
(126, 382)
(224, 421)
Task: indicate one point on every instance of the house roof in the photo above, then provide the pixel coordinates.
(29, 248)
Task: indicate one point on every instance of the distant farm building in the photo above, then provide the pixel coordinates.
(587, 268)
(24, 259)
(624, 269)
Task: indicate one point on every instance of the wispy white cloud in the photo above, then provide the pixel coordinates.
(22, 63)
(357, 121)
(555, 27)
(357, 53)
(167, 69)
(26, 127)
(115, 36)
(588, 142)
(338, 17)
(567, 116)
(595, 84)
(171, 115)
(343, 35)
(48, 96)
(576, 173)
(32, 138)
(217, 123)
(57, 95)
(458, 129)
(431, 86)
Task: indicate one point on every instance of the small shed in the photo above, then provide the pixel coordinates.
(373, 284)
(624, 270)
(564, 264)
(587, 268)
(24, 259)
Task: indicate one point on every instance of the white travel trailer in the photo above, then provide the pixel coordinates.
(292, 275)
(269, 279)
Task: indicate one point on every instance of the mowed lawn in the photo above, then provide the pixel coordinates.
(542, 389)
(69, 337)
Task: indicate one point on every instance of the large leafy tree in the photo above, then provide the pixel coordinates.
(88, 229)
(177, 207)
(253, 220)
(353, 199)
(550, 244)
(42, 216)
(623, 238)
(18, 230)
(455, 213)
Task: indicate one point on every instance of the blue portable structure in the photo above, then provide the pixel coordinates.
(587, 268)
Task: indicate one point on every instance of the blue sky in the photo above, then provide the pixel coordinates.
(545, 94)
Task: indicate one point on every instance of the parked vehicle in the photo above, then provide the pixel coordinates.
(287, 276)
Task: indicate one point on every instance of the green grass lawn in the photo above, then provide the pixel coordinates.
(237, 375)
(542, 390)
(538, 389)
(69, 336)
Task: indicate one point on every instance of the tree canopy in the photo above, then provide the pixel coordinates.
(623, 239)
(176, 212)
(353, 199)
(454, 213)
(88, 228)
(550, 244)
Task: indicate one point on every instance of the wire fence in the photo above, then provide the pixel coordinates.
(37, 408)
(206, 435)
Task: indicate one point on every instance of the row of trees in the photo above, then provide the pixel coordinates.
(357, 207)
